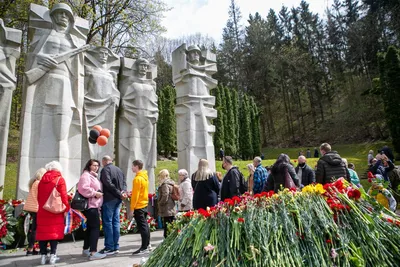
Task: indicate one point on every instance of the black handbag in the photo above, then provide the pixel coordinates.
(79, 202)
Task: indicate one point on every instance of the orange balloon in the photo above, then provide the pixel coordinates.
(102, 140)
(98, 128)
(105, 132)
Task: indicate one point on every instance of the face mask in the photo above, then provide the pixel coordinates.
(223, 166)
(302, 164)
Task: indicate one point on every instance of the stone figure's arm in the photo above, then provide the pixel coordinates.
(47, 62)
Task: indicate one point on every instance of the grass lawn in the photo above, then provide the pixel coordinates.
(355, 153)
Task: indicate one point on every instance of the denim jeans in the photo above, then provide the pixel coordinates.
(111, 223)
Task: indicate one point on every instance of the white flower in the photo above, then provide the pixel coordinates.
(209, 247)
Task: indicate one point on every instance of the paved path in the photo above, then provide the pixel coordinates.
(71, 254)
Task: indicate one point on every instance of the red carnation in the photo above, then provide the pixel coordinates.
(241, 220)
(356, 194)
(328, 241)
(236, 199)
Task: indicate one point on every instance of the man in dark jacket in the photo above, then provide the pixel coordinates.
(114, 187)
(304, 172)
(233, 182)
(330, 166)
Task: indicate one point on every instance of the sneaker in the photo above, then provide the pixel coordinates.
(97, 256)
(116, 251)
(141, 251)
(107, 251)
(53, 259)
(43, 259)
(149, 247)
(86, 253)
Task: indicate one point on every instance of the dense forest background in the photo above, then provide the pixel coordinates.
(309, 77)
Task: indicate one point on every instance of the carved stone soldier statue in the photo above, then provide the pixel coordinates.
(101, 99)
(192, 70)
(137, 136)
(53, 104)
(10, 40)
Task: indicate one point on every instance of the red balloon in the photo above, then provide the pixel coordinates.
(98, 128)
(105, 132)
(102, 140)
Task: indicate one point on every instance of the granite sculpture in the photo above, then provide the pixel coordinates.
(101, 99)
(191, 72)
(138, 115)
(10, 40)
(54, 96)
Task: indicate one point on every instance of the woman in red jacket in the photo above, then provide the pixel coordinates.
(50, 226)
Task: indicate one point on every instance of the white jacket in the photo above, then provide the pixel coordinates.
(186, 195)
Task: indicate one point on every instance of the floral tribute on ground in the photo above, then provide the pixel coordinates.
(330, 225)
(7, 222)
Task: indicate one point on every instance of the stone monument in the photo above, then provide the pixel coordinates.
(53, 98)
(101, 99)
(191, 73)
(138, 114)
(10, 40)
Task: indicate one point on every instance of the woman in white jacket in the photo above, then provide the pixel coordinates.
(185, 191)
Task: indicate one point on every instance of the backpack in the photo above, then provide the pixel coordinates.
(175, 195)
(242, 184)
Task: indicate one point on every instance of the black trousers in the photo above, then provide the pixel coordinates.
(92, 232)
(32, 231)
(43, 247)
(166, 221)
(143, 227)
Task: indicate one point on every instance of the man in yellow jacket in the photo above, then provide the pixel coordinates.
(139, 202)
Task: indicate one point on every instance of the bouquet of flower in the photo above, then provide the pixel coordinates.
(331, 225)
(7, 222)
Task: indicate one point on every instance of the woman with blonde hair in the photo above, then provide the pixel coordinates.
(166, 205)
(205, 186)
(32, 206)
(251, 169)
(185, 191)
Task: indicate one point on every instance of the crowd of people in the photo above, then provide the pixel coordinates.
(104, 193)
(204, 188)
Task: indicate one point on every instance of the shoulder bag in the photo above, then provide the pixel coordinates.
(288, 180)
(54, 203)
(79, 202)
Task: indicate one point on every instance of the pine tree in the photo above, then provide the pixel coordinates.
(255, 128)
(231, 50)
(219, 134)
(235, 108)
(160, 122)
(229, 129)
(246, 149)
(169, 124)
(391, 94)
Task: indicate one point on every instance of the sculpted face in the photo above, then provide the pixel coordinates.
(102, 55)
(194, 57)
(143, 68)
(61, 18)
